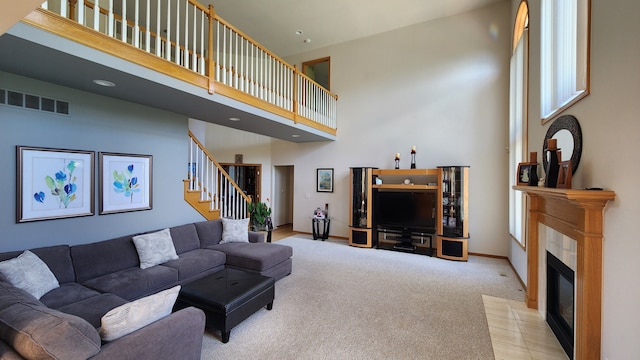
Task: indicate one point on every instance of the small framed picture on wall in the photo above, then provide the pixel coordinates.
(125, 182)
(324, 180)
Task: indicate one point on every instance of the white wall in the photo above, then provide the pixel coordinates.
(611, 140)
(440, 85)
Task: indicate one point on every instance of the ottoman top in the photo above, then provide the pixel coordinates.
(225, 289)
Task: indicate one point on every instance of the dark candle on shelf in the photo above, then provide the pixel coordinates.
(413, 157)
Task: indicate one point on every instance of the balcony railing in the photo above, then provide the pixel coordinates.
(192, 36)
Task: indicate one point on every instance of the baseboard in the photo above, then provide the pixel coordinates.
(524, 287)
(330, 236)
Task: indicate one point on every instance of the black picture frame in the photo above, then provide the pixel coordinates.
(523, 175)
(324, 180)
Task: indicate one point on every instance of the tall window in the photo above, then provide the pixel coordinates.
(564, 55)
(518, 120)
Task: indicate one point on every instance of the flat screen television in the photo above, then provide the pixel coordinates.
(405, 210)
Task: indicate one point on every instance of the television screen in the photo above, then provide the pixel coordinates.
(405, 210)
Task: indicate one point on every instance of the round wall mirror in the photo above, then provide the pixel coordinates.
(566, 130)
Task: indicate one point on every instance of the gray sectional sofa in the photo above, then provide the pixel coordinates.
(97, 277)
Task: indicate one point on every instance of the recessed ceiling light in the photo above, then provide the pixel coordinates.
(104, 83)
(234, 119)
(299, 32)
(295, 135)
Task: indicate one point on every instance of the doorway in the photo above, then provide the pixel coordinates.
(283, 195)
(319, 70)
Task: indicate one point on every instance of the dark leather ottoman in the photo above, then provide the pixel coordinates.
(227, 297)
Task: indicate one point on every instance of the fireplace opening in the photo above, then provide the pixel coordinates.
(560, 302)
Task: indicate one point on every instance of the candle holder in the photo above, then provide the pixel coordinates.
(397, 161)
(413, 157)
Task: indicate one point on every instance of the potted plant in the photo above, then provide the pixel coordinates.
(260, 214)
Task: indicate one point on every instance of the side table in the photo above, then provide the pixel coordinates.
(320, 228)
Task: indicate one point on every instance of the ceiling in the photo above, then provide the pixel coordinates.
(273, 23)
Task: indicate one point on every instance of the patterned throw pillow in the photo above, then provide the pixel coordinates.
(30, 274)
(135, 315)
(235, 230)
(155, 248)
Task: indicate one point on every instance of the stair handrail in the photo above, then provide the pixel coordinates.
(202, 181)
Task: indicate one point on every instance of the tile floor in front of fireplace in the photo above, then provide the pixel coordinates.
(518, 332)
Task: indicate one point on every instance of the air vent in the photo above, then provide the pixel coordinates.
(34, 102)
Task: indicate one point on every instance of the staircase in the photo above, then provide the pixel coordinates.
(209, 189)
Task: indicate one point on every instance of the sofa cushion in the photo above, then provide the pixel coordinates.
(67, 294)
(185, 238)
(196, 261)
(38, 332)
(57, 258)
(235, 230)
(155, 248)
(29, 272)
(8, 353)
(254, 256)
(134, 283)
(10, 295)
(105, 257)
(93, 309)
(132, 316)
(209, 232)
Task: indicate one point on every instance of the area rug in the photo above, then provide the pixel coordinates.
(342, 302)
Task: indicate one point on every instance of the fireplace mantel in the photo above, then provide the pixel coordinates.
(578, 214)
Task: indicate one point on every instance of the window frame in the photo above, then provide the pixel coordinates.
(583, 9)
(517, 199)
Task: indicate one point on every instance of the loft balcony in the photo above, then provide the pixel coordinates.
(176, 55)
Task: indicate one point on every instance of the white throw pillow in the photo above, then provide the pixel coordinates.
(155, 248)
(137, 314)
(29, 273)
(235, 230)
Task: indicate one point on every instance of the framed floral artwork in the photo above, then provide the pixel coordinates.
(125, 182)
(53, 183)
(324, 180)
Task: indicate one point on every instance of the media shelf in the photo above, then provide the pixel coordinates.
(453, 228)
(418, 242)
(419, 179)
(394, 209)
(360, 207)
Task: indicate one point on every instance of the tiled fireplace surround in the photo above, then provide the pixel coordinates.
(570, 224)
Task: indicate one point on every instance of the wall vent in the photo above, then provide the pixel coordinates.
(34, 102)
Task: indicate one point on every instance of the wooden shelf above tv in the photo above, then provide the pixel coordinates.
(405, 172)
(393, 179)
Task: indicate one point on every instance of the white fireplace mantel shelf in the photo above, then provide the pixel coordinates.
(578, 214)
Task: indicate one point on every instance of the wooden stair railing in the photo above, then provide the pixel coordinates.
(209, 188)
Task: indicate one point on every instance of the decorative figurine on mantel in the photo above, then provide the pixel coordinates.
(533, 161)
(413, 157)
(553, 165)
(397, 161)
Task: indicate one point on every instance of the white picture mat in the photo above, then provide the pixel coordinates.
(113, 200)
(38, 163)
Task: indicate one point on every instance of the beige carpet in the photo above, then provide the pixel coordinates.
(343, 302)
